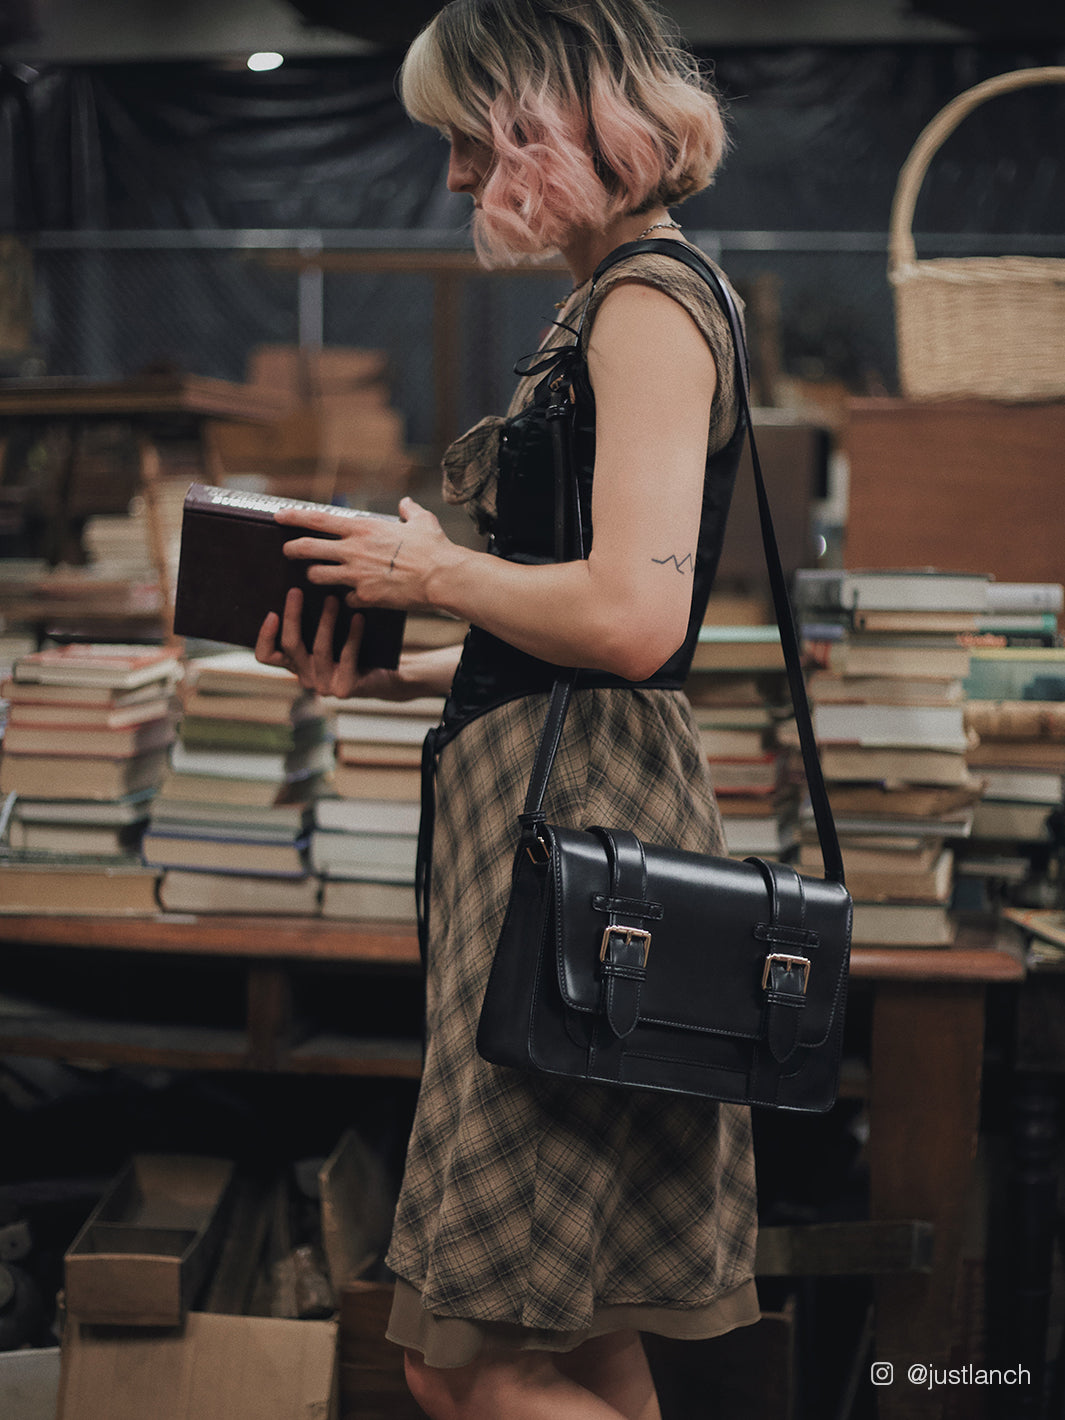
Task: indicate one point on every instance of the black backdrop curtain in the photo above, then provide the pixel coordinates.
(820, 134)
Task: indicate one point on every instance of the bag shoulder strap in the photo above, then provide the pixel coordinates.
(568, 535)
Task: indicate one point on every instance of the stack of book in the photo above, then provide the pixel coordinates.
(229, 827)
(117, 594)
(888, 664)
(84, 749)
(364, 840)
(1016, 709)
(739, 698)
(19, 607)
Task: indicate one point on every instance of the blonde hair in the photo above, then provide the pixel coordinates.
(591, 109)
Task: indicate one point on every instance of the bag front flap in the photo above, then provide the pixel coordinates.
(711, 934)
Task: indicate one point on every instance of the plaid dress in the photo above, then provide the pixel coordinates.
(536, 1211)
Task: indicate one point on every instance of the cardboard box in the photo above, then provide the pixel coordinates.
(357, 1206)
(147, 1247)
(29, 1384)
(214, 1368)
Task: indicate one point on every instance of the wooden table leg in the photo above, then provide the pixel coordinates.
(1033, 1215)
(927, 1052)
(269, 1015)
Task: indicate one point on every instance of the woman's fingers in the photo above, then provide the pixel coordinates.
(317, 519)
(317, 669)
(291, 631)
(313, 549)
(412, 512)
(266, 648)
(347, 676)
(322, 658)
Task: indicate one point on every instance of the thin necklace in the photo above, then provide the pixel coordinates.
(669, 222)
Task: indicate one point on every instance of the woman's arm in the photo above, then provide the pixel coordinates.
(625, 608)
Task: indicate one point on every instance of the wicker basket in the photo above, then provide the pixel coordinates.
(974, 327)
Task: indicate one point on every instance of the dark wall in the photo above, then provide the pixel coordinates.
(820, 133)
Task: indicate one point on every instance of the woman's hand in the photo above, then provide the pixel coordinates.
(384, 563)
(280, 643)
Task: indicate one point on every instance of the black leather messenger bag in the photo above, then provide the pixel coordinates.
(626, 963)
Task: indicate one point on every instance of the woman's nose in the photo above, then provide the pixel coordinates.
(461, 176)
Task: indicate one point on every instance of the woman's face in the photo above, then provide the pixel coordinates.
(469, 164)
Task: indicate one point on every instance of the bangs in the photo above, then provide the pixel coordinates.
(426, 90)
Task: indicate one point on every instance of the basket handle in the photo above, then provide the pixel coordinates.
(901, 250)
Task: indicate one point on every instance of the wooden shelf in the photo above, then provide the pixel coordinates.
(291, 938)
(276, 957)
(267, 1028)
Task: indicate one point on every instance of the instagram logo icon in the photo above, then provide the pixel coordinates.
(882, 1373)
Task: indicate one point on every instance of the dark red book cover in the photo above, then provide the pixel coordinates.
(232, 571)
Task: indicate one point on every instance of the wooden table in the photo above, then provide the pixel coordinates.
(924, 1084)
(1038, 1079)
(924, 1106)
(149, 402)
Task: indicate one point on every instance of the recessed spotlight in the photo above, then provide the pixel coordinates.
(266, 59)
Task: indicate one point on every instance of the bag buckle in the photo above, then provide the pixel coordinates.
(789, 962)
(538, 851)
(628, 936)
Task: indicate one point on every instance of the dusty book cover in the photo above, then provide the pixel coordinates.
(232, 571)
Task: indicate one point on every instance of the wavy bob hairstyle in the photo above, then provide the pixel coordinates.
(592, 109)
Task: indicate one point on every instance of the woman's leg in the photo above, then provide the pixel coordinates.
(615, 1368)
(530, 1385)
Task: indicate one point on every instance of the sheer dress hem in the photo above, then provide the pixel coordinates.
(450, 1342)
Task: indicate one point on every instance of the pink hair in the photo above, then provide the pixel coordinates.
(638, 127)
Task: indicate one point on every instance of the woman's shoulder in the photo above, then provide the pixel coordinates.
(676, 279)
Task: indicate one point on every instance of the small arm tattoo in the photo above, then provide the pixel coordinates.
(683, 564)
(392, 564)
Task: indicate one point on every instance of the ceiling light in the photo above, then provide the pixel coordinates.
(264, 60)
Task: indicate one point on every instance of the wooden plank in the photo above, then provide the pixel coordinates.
(145, 397)
(108, 1044)
(184, 1047)
(867, 1249)
(251, 1211)
(298, 938)
(917, 467)
(934, 964)
(270, 1022)
(353, 1055)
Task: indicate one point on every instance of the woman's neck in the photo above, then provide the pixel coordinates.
(586, 249)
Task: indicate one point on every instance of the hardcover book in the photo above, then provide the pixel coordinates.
(239, 673)
(212, 852)
(98, 887)
(186, 890)
(74, 741)
(57, 776)
(232, 572)
(901, 924)
(98, 665)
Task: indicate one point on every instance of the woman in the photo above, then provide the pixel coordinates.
(542, 1226)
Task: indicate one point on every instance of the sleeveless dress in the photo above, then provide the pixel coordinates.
(535, 1212)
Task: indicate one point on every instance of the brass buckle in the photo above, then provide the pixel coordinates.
(789, 961)
(543, 849)
(630, 934)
